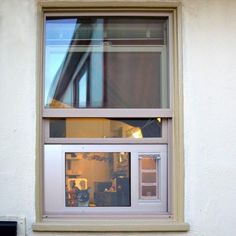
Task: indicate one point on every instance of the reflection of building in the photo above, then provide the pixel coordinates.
(80, 82)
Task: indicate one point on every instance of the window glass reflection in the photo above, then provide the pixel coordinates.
(105, 63)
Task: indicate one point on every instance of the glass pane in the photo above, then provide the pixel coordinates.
(148, 163)
(101, 62)
(149, 181)
(149, 177)
(95, 179)
(105, 128)
(149, 191)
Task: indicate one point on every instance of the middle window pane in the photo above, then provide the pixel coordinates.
(105, 128)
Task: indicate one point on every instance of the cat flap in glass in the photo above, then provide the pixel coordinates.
(149, 176)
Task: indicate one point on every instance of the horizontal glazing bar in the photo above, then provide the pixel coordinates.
(67, 112)
(105, 141)
(106, 47)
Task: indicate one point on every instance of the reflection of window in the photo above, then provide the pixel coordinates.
(81, 90)
(110, 118)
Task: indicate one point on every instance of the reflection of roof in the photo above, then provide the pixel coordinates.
(58, 104)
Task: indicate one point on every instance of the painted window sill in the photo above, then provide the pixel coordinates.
(132, 225)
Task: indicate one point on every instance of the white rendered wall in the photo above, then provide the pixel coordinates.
(209, 78)
(17, 108)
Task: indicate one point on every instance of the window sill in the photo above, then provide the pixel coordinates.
(141, 225)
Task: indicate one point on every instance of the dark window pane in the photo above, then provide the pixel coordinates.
(149, 177)
(105, 128)
(133, 79)
(149, 191)
(95, 179)
(57, 128)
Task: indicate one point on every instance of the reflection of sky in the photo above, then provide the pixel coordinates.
(62, 29)
(83, 90)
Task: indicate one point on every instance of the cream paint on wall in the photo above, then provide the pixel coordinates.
(209, 74)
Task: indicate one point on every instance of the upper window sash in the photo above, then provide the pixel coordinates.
(84, 93)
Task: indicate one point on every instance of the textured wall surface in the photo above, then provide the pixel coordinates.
(210, 101)
(209, 78)
(17, 102)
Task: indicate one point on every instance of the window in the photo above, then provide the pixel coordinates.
(107, 117)
(106, 63)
